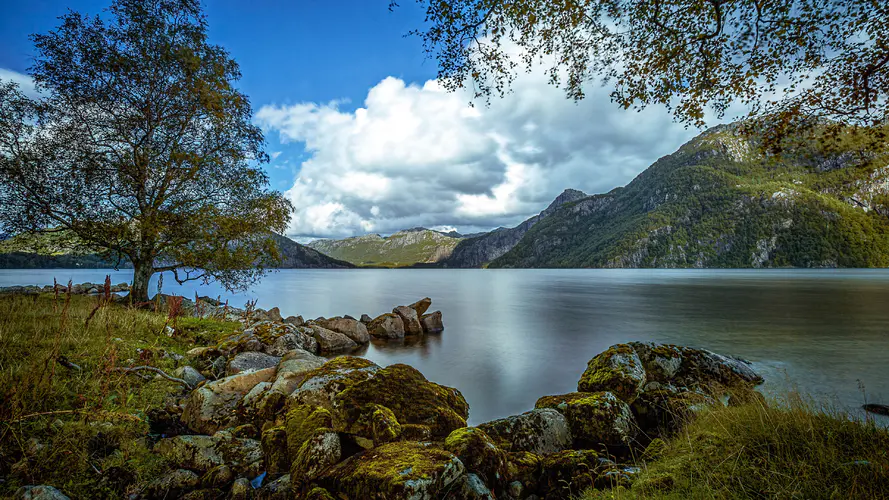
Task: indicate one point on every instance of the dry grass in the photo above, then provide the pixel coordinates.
(67, 417)
(793, 449)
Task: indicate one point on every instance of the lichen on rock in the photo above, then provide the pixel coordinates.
(618, 370)
(479, 455)
(594, 418)
(538, 431)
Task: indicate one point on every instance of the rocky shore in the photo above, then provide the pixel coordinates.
(267, 414)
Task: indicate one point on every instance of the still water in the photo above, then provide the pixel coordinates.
(512, 336)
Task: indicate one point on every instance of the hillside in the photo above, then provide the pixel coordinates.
(719, 202)
(56, 250)
(474, 252)
(404, 248)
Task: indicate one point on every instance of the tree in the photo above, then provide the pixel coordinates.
(797, 64)
(141, 147)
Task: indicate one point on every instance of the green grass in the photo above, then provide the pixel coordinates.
(791, 450)
(85, 431)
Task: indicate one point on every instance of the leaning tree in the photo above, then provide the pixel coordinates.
(140, 147)
(796, 64)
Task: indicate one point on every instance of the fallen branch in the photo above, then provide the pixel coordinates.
(62, 360)
(160, 372)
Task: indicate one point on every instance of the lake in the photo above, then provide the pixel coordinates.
(512, 336)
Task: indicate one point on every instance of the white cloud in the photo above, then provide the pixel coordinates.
(26, 84)
(416, 155)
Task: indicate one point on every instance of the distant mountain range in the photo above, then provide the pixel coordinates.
(716, 202)
(54, 251)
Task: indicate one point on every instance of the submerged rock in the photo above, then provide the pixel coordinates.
(432, 322)
(410, 318)
(331, 341)
(351, 328)
(538, 431)
(421, 306)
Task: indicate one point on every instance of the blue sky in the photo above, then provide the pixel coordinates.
(364, 139)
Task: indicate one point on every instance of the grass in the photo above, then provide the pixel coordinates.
(793, 449)
(84, 431)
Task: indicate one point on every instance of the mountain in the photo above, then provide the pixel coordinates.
(404, 248)
(719, 202)
(54, 250)
(476, 251)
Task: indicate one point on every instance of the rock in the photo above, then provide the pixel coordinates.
(421, 306)
(295, 320)
(210, 407)
(217, 367)
(365, 319)
(432, 322)
(318, 453)
(567, 473)
(293, 369)
(351, 328)
(218, 477)
(394, 471)
(524, 468)
(241, 489)
(876, 409)
(251, 361)
(39, 492)
(412, 399)
(330, 341)
(203, 453)
(618, 370)
(479, 455)
(387, 326)
(279, 489)
(538, 431)
(661, 412)
(594, 418)
(470, 487)
(322, 384)
(274, 314)
(411, 320)
(189, 374)
(274, 451)
(173, 484)
(299, 338)
(204, 494)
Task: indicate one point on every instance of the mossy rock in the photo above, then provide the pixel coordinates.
(594, 418)
(321, 386)
(480, 455)
(218, 477)
(565, 475)
(524, 467)
(415, 432)
(274, 450)
(660, 413)
(654, 450)
(375, 425)
(412, 399)
(318, 494)
(540, 431)
(319, 452)
(617, 370)
(394, 471)
(301, 423)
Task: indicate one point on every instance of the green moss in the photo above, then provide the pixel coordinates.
(618, 370)
(385, 425)
(479, 454)
(320, 451)
(415, 432)
(274, 450)
(654, 450)
(568, 473)
(318, 494)
(398, 470)
(301, 422)
(594, 418)
(410, 397)
(523, 466)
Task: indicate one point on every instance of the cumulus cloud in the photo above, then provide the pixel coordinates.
(416, 155)
(26, 84)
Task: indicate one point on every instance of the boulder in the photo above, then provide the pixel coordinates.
(318, 453)
(365, 319)
(274, 315)
(211, 406)
(349, 327)
(190, 375)
(173, 484)
(432, 322)
(295, 338)
(241, 489)
(250, 361)
(321, 385)
(524, 469)
(661, 412)
(330, 341)
(421, 306)
(39, 492)
(394, 471)
(274, 450)
(218, 477)
(387, 326)
(203, 453)
(538, 431)
(295, 320)
(469, 487)
(302, 422)
(410, 318)
(618, 370)
(412, 399)
(594, 418)
(565, 474)
(203, 494)
(479, 455)
(279, 489)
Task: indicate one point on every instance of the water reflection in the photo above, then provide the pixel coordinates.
(514, 335)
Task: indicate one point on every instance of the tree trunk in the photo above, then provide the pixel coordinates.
(142, 272)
